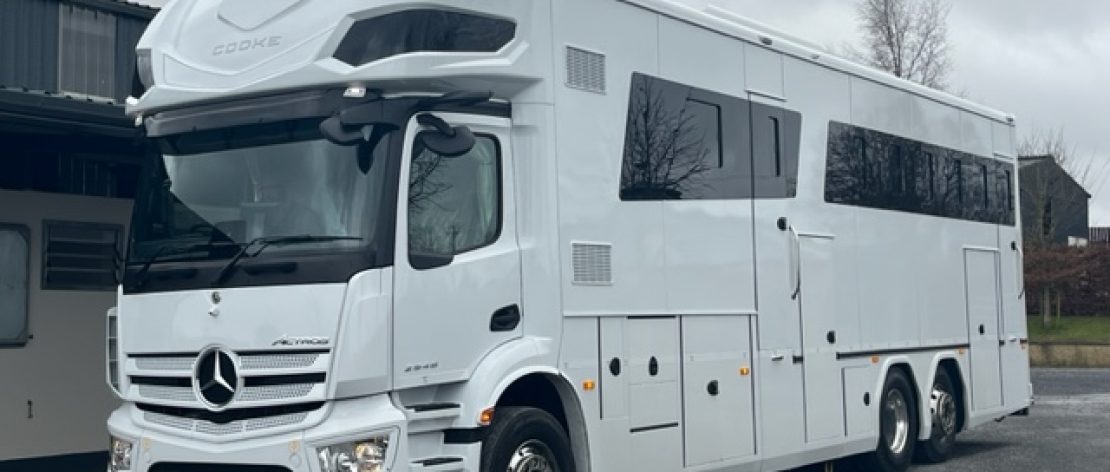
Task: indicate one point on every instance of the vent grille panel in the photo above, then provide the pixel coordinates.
(279, 361)
(165, 363)
(585, 70)
(593, 263)
(176, 394)
(275, 392)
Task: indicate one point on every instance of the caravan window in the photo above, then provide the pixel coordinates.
(14, 276)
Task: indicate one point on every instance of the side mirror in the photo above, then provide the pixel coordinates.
(447, 141)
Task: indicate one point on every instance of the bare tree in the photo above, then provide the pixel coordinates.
(907, 38)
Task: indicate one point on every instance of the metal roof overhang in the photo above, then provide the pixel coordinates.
(41, 113)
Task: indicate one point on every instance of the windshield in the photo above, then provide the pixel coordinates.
(209, 194)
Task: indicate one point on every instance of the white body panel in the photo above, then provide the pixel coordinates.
(794, 309)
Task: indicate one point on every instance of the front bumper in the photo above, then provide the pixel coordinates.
(343, 421)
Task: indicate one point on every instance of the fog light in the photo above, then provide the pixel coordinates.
(361, 456)
(119, 452)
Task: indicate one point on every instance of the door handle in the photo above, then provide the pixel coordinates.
(1020, 268)
(796, 247)
(505, 319)
(778, 357)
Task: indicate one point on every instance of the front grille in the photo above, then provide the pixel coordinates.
(197, 467)
(278, 389)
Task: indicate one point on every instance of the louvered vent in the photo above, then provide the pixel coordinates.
(585, 70)
(593, 263)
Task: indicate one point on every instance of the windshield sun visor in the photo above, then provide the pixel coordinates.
(423, 30)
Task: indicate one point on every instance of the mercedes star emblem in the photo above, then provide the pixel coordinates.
(216, 378)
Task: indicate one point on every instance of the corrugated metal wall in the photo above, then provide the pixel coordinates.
(29, 44)
(128, 32)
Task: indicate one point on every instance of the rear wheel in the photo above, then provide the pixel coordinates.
(944, 407)
(897, 426)
(526, 440)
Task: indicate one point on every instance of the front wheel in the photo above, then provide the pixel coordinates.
(945, 413)
(526, 440)
(897, 426)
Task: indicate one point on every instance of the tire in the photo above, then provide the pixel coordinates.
(898, 426)
(526, 440)
(944, 406)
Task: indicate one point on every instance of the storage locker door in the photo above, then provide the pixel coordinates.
(718, 411)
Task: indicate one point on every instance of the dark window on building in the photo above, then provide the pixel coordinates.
(686, 143)
(878, 170)
(80, 256)
(14, 284)
(408, 31)
(87, 59)
(454, 202)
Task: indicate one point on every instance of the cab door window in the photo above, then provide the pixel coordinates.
(454, 202)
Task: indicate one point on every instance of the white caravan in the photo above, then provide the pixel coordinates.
(553, 235)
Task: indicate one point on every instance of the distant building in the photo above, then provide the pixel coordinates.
(69, 163)
(1054, 206)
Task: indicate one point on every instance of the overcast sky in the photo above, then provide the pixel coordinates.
(1046, 62)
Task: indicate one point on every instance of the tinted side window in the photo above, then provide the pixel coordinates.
(878, 170)
(422, 30)
(454, 202)
(687, 143)
(14, 284)
(672, 143)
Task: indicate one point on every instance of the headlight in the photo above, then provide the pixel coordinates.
(119, 453)
(360, 456)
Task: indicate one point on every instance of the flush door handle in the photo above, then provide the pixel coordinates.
(505, 319)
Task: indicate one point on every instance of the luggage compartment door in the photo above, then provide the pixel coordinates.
(719, 415)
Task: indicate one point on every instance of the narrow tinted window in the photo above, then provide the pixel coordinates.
(422, 31)
(14, 284)
(454, 202)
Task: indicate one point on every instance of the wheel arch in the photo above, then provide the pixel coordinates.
(950, 363)
(549, 390)
(905, 366)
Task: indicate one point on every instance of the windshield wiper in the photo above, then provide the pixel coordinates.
(163, 254)
(265, 242)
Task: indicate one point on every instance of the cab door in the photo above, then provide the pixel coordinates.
(457, 271)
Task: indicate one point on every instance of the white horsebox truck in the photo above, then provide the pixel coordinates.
(553, 236)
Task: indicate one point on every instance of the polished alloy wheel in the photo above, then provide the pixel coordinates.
(943, 406)
(532, 456)
(896, 419)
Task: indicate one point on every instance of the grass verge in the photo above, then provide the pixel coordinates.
(1075, 329)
